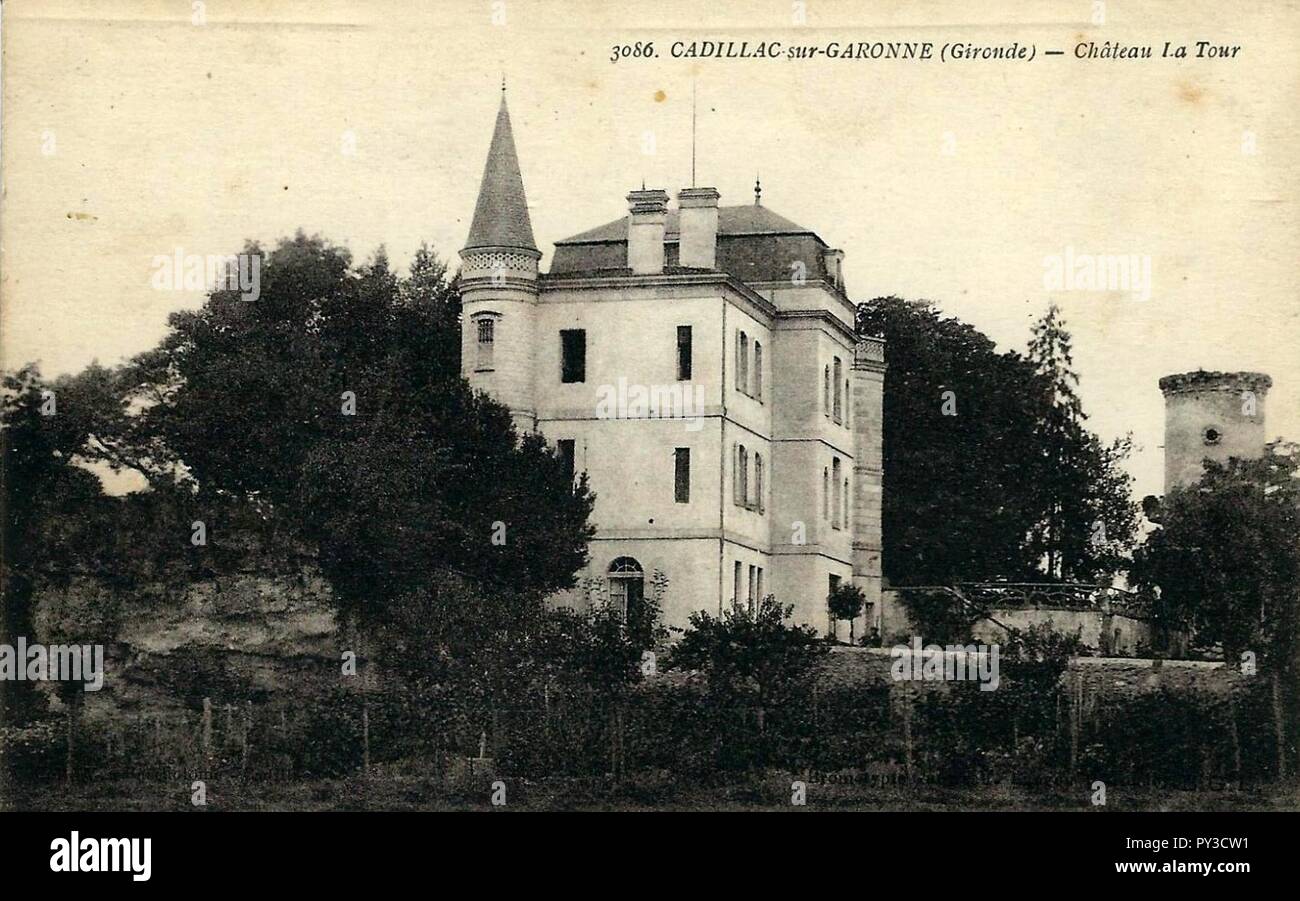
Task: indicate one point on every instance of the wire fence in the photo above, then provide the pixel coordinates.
(1173, 737)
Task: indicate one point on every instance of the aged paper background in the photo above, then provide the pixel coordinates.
(131, 129)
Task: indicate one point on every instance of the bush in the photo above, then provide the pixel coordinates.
(35, 751)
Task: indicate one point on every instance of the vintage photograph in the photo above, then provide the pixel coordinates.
(581, 406)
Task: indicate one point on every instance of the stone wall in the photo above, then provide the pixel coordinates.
(1097, 676)
(1110, 633)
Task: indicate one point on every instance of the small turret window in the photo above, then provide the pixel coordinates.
(486, 339)
(1211, 435)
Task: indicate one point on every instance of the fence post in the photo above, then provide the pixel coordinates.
(248, 723)
(72, 728)
(1076, 691)
(1236, 740)
(1278, 730)
(365, 736)
(907, 729)
(613, 749)
(618, 733)
(206, 733)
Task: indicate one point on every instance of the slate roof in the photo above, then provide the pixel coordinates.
(754, 245)
(749, 219)
(501, 214)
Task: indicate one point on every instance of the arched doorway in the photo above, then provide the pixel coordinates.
(626, 585)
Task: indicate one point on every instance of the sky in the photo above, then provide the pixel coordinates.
(134, 129)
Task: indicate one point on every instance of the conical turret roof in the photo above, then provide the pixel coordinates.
(501, 214)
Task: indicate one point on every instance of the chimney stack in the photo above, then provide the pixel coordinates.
(698, 243)
(834, 262)
(645, 230)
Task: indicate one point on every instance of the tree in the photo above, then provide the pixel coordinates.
(1088, 522)
(755, 660)
(1226, 557)
(55, 516)
(333, 405)
(242, 392)
(46, 497)
(953, 407)
(1060, 413)
(846, 601)
(966, 453)
(1225, 561)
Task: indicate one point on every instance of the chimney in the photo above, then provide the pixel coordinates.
(698, 247)
(834, 262)
(645, 230)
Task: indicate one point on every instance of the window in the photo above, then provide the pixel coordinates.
(758, 482)
(846, 503)
(826, 392)
(683, 352)
(835, 486)
(682, 475)
(735, 593)
(826, 494)
(839, 404)
(848, 403)
(626, 586)
(759, 596)
(566, 446)
(742, 363)
(753, 585)
(758, 371)
(742, 475)
(486, 338)
(573, 351)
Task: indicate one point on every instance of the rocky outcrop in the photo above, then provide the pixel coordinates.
(263, 633)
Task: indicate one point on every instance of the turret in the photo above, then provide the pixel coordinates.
(1214, 415)
(499, 284)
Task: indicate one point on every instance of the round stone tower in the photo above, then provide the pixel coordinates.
(1214, 415)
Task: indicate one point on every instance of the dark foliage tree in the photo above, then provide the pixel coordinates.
(333, 408)
(966, 457)
(1226, 557)
(48, 501)
(754, 660)
(956, 503)
(242, 392)
(1225, 562)
(846, 602)
(1087, 520)
(334, 404)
